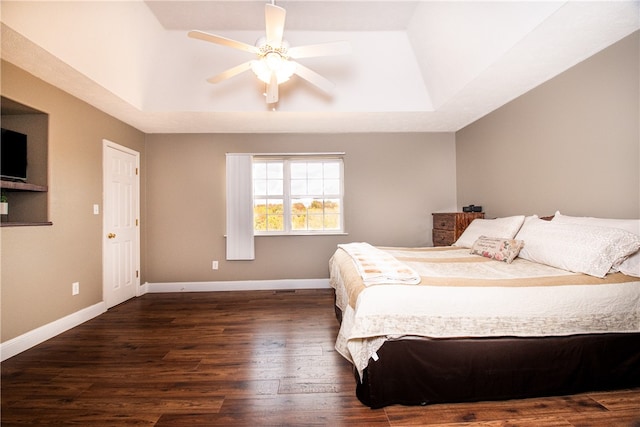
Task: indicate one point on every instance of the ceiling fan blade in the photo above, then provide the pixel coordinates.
(274, 22)
(231, 72)
(314, 78)
(201, 35)
(272, 89)
(322, 49)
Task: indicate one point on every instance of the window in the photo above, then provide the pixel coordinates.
(297, 195)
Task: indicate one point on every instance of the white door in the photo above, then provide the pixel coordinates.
(121, 236)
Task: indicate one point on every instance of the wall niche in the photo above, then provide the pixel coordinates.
(28, 201)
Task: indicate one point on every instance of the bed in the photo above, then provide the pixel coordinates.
(468, 323)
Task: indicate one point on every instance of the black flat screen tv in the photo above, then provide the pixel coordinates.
(13, 156)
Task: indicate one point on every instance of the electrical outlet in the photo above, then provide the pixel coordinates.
(214, 265)
(75, 288)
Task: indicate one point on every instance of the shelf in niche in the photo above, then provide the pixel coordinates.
(28, 202)
(24, 224)
(22, 186)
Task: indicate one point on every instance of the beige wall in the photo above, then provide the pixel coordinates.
(392, 184)
(571, 144)
(39, 264)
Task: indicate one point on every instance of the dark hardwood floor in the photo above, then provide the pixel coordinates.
(238, 359)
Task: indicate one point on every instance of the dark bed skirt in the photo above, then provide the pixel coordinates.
(420, 371)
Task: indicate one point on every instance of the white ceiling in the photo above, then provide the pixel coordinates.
(415, 66)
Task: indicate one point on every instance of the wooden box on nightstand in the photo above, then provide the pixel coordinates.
(447, 227)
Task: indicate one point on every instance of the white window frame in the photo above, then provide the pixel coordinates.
(287, 160)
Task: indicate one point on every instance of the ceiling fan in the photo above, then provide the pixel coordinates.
(275, 64)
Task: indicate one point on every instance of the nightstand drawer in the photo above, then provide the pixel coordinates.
(448, 226)
(444, 221)
(443, 237)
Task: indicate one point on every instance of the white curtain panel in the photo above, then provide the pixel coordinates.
(240, 245)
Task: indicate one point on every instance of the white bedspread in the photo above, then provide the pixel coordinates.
(502, 300)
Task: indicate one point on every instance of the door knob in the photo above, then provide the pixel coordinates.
(111, 235)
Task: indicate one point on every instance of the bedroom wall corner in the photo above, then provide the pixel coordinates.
(571, 144)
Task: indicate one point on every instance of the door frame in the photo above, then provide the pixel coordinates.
(110, 145)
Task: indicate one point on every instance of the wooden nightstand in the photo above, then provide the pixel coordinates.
(447, 227)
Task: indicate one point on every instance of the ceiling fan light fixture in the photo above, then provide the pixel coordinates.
(273, 63)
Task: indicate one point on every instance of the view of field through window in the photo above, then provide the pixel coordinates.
(297, 195)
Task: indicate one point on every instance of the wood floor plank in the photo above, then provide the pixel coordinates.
(254, 358)
(519, 422)
(82, 417)
(622, 399)
(620, 418)
(548, 408)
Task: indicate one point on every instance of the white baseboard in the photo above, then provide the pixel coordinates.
(34, 337)
(240, 285)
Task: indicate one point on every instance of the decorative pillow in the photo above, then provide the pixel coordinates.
(579, 248)
(495, 248)
(629, 266)
(504, 228)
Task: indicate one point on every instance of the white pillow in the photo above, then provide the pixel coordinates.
(579, 248)
(631, 225)
(629, 266)
(503, 228)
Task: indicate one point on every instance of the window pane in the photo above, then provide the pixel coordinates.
(315, 222)
(260, 222)
(315, 187)
(314, 170)
(275, 207)
(298, 187)
(331, 222)
(331, 186)
(332, 170)
(298, 170)
(275, 215)
(259, 170)
(299, 206)
(275, 187)
(299, 222)
(275, 170)
(268, 215)
(260, 214)
(299, 214)
(332, 206)
(275, 223)
(259, 187)
(316, 207)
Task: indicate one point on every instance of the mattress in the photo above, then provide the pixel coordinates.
(461, 295)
